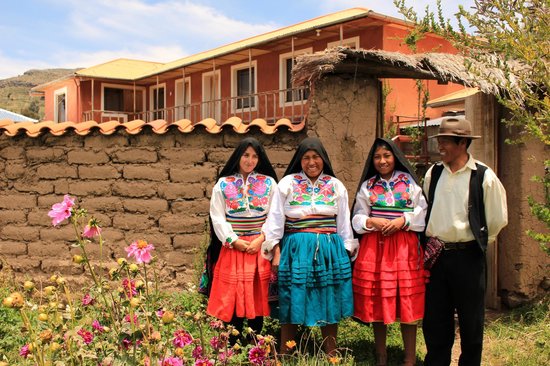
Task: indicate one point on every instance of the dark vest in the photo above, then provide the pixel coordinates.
(476, 207)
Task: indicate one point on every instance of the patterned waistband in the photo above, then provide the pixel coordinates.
(246, 225)
(311, 224)
(389, 212)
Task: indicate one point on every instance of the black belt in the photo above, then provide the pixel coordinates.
(461, 246)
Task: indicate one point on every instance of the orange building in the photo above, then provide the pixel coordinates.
(248, 79)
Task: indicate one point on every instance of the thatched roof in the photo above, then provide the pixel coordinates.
(383, 64)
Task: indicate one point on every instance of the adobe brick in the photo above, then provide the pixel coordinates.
(165, 141)
(198, 139)
(46, 201)
(39, 218)
(280, 157)
(12, 152)
(176, 259)
(102, 204)
(63, 267)
(100, 141)
(54, 171)
(191, 207)
(14, 170)
(132, 222)
(87, 157)
(19, 233)
(42, 155)
(151, 206)
(148, 172)
(98, 172)
(135, 189)
(114, 237)
(25, 265)
(172, 191)
(178, 224)
(11, 217)
(104, 220)
(45, 249)
(162, 242)
(70, 140)
(182, 156)
(12, 248)
(62, 233)
(90, 188)
(191, 242)
(219, 156)
(17, 201)
(41, 187)
(135, 155)
(61, 186)
(191, 174)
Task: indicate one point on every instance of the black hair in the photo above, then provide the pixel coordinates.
(307, 144)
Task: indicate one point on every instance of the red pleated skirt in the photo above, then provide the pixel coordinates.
(389, 280)
(240, 285)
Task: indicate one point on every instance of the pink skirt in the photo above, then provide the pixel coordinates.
(240, 285)
(389, 280)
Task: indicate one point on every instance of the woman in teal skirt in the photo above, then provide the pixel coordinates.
(308, 234)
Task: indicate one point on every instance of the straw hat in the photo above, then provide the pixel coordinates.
(456, 127)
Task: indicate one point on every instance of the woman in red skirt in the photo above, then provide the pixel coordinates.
(238, 208)
(388, 276)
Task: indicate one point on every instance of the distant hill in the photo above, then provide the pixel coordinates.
(14, 92)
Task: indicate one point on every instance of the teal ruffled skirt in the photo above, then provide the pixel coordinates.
(315, 286)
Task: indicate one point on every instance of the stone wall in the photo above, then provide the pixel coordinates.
(145, 186)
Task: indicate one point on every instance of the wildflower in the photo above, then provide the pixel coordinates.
(86, 335)
(334, 360)
(216, 324)
(129, 287)
(54, 347)
(167, 317)
(225, 356)
(155, 336)
(25, 351)
(179, 352)
(97, 326)
(28, 285)
(49, 290)
(128, 320)
(43, 317)
(133, 268)
(122, 261)
(92, 229)
(290, 344)
(197, 352)
(140, 250)
(256, 356)
(15, 300)
(87, 300)
(135, 302)
(182, 338)
(171, 361)
(215, 343)
(204, 362)
(160, 313)
(61, 211)
(46, 336)
(78, 259)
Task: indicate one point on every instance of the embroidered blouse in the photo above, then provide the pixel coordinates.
(232, 197)
(297, 197)
(398, 196)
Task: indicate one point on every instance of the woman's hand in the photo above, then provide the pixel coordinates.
(393, 226)
(377, 223)
(241, 245)
(276, 259)
(255, 245)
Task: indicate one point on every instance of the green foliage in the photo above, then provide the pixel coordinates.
(32, 109)
(542, 210)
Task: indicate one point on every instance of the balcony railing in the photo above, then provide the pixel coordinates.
(270, 106)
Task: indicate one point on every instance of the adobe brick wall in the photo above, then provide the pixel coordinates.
(149, 186)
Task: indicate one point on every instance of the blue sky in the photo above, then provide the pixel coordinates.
(40, 34)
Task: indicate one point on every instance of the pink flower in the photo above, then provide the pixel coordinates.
(256, 356)
(86, 335)
(129, 287)
(197, 352)
(128, 319)
(171, 361)
(61, 211)
(141, 250)
(216, 324)
(24, 351)
(182, 338)
(225, 356)
(203, 362)
(216, 343)
(97, 326)
(87, 300)
(91, 230)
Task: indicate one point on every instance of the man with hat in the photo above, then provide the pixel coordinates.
(467, 209)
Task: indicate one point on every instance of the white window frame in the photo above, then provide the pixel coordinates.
(346, 42)
(187, 94)
(57, 93)
(234, 70)
(217, 105)
(283, 76)
(120, 116)
(152, 92)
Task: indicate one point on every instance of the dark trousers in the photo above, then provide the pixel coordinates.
(256, 324)
(457, 283)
